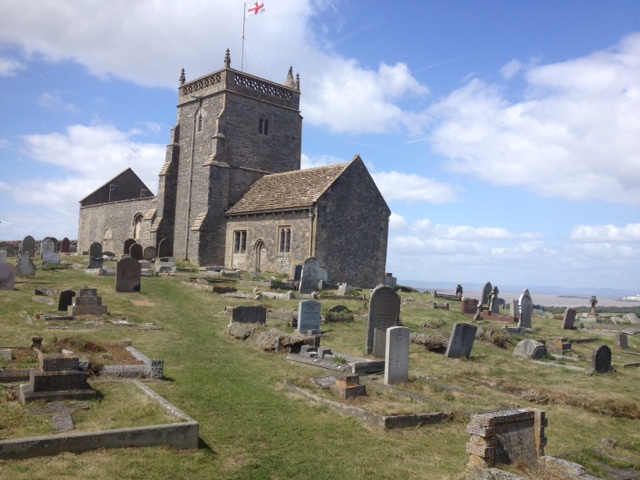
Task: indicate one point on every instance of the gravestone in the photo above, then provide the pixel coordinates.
(127, 245)
(384, 312)
(58, 378)
(87, 303)
(25, 266)
(50, 258)
(95, 255)
(3, 257)
(568, 319)
(515, 307)
(631, 318)
(48, 244)
(559, 346)
(309, 317)
(486, 293)
(11, 250)
(461, 341)
(348, 386)
(149, 253)
(164, 248)
(530, 349)
(65, 245)
(135, 251)
(494, 301)
(128, 274)
(601, 359)
(7, 276)
(622, 341)
(396, 359)
(65, 300)
(249, 314)
(28, 246)
(526, 306)
(297, 273)
(311, 274)
(469, 306)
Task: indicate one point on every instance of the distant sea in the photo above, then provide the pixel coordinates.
(559, 300)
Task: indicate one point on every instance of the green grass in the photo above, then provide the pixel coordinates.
(251, 428)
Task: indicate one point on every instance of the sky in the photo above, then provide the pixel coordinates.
(504, 135)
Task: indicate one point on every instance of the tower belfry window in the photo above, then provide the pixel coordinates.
(263, 126)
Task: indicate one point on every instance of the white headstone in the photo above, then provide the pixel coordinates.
(396, 365)
(309, 316)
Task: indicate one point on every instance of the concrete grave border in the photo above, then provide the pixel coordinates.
(184, 435)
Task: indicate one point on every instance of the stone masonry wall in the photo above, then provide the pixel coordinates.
(118, 217)
(352, 229)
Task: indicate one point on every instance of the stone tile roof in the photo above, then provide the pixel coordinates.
(289, 190)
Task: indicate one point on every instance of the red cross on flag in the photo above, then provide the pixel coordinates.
(255, 8)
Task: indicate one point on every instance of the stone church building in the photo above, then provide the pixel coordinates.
(231, 191)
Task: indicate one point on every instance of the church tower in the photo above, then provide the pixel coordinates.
(232, 129)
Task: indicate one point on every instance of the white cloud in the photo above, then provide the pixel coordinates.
(511, 69)
(338, 92)
(397, 222)
(573, 136)
(318, 161)
(597, 234)
(54, 101)
(9, 67)
(414, 188)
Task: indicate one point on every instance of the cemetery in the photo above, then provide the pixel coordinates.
(384, 386)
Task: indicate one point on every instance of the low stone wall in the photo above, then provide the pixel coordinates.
(183, 435)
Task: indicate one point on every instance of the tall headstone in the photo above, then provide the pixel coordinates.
(396, 364)
(384, 312)
(7, 274)
(622, 340)
(494, 301)
(48, 245)
(486, 293)
(568, 319)
(65, 245)
(526, 306)
(461, 342)
(311, 274)
(25, 266)
(149, 253)
(127, 245)
(164, 248)
(28, 246)
(95, 255)
(515, 307)
(128, 275)
(135, 251)
(65, 300)
(309, 317)
(601, 359)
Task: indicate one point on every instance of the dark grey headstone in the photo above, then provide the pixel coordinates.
(486, 293)
(65, 300)
(249, 314)
(65, 245)
(526, 306)
(25, 266)
(623, 341)
(135, 251)
(461, 341)
(297, 273)
(601, 359)
(311, 274)
(164, 248)
(128, 275)
(28, 246)
(127, 245)
(384, 312)
(95, 249)
(568, 319)
(149, 253)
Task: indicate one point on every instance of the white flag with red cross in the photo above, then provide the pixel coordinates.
(255, 8)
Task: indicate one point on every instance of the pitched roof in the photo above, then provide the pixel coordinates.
(289, 190)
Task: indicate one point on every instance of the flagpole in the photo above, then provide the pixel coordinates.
(244, 19)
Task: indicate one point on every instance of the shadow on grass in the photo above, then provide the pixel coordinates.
(202, 445)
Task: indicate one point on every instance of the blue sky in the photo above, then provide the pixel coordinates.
(504, 135)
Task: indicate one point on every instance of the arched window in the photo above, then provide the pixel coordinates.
(137, 226)
(284, 245)
(263, 126)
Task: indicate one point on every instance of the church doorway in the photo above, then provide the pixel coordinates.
(260, 250)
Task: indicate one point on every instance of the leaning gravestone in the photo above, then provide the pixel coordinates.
(631, 318)
(249, 314)
(128, 274)
(312, 273)
(7, 276)
(568, 319)
(601, 359)
(486, 293)
(384, 312)
(461, 341)
(149, 253)
(309, 317)
(622, 340)
(530, 349)
(28, 246)
(135, 251)
(95, 255)
(25, 266)
(396, 359)
(526, 306)
(65, 300)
